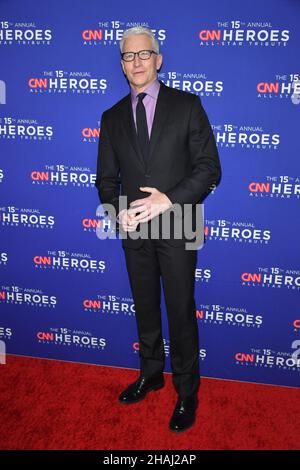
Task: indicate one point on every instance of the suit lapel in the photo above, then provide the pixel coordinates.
(160, 116)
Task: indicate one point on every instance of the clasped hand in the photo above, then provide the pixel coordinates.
(143, 210)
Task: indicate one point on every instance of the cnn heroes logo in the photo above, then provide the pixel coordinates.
(24, 33)
(282, 86)
(238, 33)
(229, 315)
(274, 187)
(236, 232)
(270, 358)
(272, 277)
(109, 304)
(65, 337)
(29, 296)
(245, 137)
(26, 217)
(193, 82)
(25, 129)
(110, 32)
(63, 260)
(61, 175)
(63, 82)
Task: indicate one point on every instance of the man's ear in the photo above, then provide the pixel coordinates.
(159, 61)
(122, 65)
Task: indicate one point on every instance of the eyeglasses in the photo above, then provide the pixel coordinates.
(144, 55)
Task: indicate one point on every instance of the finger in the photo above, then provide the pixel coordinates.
(145, 216)
(140, 217)
(128, 228)
(147, 189)
(133, 211)
(131, 223)
(137, 202)
(146, 219)
(133, 227)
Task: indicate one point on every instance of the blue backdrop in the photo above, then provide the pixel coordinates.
(64, 293)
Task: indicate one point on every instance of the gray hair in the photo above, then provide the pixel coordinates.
(140, 30)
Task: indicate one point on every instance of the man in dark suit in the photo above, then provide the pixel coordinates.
(158, 145)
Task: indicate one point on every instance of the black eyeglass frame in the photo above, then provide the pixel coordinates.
(138, 54)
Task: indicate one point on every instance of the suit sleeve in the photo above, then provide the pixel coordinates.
(205, 163)
(108, 169)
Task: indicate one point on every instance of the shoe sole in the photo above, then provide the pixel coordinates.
(182, 430)
(154, 389)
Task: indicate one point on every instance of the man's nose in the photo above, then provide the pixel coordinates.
(137, 61)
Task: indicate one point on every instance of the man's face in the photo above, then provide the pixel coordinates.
(140, 72)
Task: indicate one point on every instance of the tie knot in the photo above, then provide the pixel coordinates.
(141, 96)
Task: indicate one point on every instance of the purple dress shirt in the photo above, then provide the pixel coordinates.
(149, 102)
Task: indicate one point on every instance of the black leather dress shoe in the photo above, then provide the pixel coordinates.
(138, 390)
(184, 414)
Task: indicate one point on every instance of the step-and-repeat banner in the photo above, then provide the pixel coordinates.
(64, 293)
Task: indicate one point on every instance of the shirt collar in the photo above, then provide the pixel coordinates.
(151, 90)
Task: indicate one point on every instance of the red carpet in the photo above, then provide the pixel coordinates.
(61, 405)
